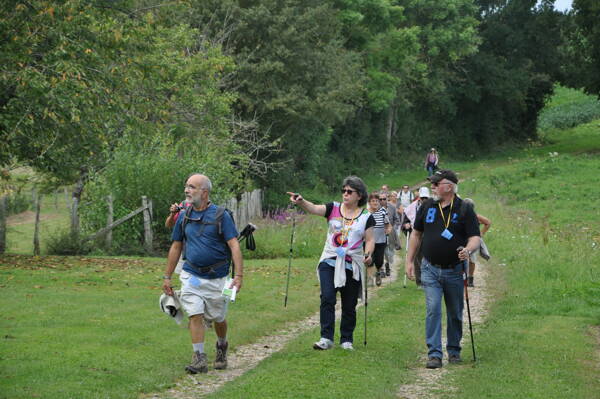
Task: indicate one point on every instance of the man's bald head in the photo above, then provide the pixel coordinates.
(199, 180)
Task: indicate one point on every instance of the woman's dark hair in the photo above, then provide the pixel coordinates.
(356, 183)
(374, 195)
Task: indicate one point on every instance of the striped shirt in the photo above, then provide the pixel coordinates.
(381, 219)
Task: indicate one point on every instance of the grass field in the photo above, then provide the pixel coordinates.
(90, 327)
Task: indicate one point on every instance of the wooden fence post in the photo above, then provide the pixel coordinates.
(3, 216)
(67, 199)
(109, 220)
(36, 231)
(75, 216)
(147, 224)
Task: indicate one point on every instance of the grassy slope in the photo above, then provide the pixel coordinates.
(536, 342)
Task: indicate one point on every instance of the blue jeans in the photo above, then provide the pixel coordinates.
(430, 169)
(349, 294)
(449, 284)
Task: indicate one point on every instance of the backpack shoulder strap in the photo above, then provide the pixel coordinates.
(219, 218)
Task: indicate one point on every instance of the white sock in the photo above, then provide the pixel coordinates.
(222, 341)
(199, 347)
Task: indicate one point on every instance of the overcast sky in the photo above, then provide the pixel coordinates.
(563, 5)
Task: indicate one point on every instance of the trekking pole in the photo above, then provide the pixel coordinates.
(465, 268)
(287, 284)
(366, 302)
(407, 238)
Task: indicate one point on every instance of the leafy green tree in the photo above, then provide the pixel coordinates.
(586, 42)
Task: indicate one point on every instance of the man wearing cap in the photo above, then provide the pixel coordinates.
(442, 226)
(409, 215)
(209, 247)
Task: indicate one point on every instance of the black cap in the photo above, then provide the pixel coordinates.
(443, 174)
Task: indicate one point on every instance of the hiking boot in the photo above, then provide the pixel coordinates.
(347, 346)
(434, 363)
(378, 278)
(387, 269)
(454, 359)
(470, 283)
(323, 344)
(221, 358)
(199, 364)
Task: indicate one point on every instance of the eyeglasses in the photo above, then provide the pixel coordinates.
(382, 199)
(438, 184)
(346, 191)
(191, 187)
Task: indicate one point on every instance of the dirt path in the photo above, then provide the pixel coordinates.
(246, 357)
(427, 382)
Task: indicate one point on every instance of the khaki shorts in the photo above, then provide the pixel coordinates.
(201, 296)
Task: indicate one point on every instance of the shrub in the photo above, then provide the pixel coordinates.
(64, 242)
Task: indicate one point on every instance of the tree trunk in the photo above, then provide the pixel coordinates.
(3, 216)
(36, 231)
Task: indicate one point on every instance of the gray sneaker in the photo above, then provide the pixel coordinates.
(199, 364)
(454, 359)
(221, 358)
(434, 363)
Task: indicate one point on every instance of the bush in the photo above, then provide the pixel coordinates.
(569, 115)
(65, 242)
(18, 202)
(157, 171)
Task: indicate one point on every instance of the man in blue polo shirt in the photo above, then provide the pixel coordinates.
(443, 225)
(208, 238)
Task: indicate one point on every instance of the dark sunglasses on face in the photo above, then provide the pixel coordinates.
(382, 199)
(346, 191)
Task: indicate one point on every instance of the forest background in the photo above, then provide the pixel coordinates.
(127, 97)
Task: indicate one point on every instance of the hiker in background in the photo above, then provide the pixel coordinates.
(393, 199)
(431, 161)
(409, 216)
(207, 236)
(390, 248)
(448, 236)
(380, 230)
(385, 188)
(486, 226)
(406, 197)
(341, 264)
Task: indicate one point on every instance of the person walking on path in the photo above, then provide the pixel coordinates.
(431, 161)
(442, 227)
(380, 231)
(473, 260)
(341, 266)
(406, 197)
(408, 219)
(207, 237)
(393, 199)
(394, 219)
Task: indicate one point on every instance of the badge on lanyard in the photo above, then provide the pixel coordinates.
(447, 234)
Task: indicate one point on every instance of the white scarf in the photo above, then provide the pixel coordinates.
(357, 255)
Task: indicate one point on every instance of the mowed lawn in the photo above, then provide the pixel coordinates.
(76, 327)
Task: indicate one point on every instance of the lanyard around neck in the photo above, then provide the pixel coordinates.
(446, 223)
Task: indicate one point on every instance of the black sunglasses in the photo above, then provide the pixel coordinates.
(346, 191)
(382, 199)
